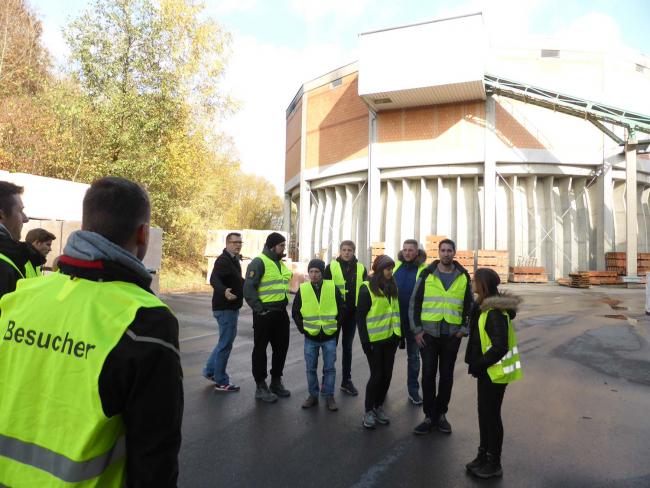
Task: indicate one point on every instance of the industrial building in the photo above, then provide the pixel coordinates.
(437, 131)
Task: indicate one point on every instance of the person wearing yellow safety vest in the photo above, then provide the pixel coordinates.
(410, 263)
(17, 259)
(41, 240)
(90, 373)
(438, 313)
(348, 274)
(318, 310)
(266, 290)
(493, 359)
(380, 332)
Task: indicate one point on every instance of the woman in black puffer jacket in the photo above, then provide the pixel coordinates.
(493, 360)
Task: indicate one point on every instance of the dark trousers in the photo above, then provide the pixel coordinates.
(439, 354)
(347, 337)
(380, 360)
(490, 398)
(273, 328)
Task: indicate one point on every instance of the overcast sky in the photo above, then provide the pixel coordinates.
(280, 44)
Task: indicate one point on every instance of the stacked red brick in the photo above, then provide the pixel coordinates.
(617, 261)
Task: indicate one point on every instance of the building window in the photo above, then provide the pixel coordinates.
(550, 53)
(336, 83)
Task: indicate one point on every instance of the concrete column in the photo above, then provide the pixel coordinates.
(630, 206)
(374, 188)
(604, 216)
(304, 253)
(337, 222)
(408, 219)
(426, 206)
(489, 176)
(286, 218)
(347, 230)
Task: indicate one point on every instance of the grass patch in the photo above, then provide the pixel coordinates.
(182, 279)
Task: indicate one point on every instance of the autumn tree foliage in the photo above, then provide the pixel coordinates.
(141, 98)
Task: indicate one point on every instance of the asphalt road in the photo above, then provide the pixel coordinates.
(579, 418)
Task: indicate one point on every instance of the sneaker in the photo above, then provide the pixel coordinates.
(310, 402)
(331, 404)
(443, 425)
(478, 461)
(491, 468)
(415, 398)
(423, 428)
(369, 420)
(348, 387)
(262, 393)
(229, 388)
(381, 416)
(278, 388)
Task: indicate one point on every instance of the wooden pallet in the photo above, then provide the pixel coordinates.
(466, 260)
(527, 274)
(431, 246)
(604, 278)
(494, 259)
(579, 280)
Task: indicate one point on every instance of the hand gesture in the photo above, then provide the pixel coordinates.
(229, 295)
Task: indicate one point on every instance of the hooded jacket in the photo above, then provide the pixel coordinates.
(405, 277)
(141, 379)
(254, 274)
(19, 253)
(496, 327)
(415, 304)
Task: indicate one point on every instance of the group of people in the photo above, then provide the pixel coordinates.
(426, 309)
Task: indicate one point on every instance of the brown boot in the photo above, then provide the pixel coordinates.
(310, 402)
(331, 404)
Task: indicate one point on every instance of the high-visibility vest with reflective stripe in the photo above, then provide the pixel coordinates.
(274, 285)
(399, 263)
(57, 332)
(339, 280)
(318, 314)
(29, 272)
(508, 369)
(383, 318)
(440, 304)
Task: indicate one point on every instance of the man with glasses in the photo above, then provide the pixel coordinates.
(228, 284)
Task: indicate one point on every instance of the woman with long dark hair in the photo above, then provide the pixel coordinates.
(379, 326)
(493, 360)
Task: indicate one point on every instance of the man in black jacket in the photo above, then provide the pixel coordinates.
(13, 254)
(228, 297)
(132, 372)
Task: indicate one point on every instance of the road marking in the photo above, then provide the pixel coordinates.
(198, 337)
(372, 476)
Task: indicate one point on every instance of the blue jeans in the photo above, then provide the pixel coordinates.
(216, 364)
(412, 363)
(329, 365)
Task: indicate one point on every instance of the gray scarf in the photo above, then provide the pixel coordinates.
(90, 246)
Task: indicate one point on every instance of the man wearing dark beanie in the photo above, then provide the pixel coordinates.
(266, 291)
(318, 310)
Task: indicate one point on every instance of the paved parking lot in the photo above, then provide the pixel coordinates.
(579, 418)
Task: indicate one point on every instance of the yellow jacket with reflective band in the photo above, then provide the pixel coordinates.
(274, 285)
(508, 369)
(29, 272)
(440, 304)
(318, 314)
(57, 333)
(383, 319)
(399, 263)
(339, 280)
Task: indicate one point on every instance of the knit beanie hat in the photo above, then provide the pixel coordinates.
(318, 264)
(274, 239)
(382, 262)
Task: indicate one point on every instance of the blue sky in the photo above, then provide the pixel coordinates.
(280, 44)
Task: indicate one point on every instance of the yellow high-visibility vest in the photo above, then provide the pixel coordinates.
(383, 318)
(508, 369)
(274, 285)
(318, 314)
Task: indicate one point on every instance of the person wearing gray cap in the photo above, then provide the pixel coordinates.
(318, 310)
(266, 290)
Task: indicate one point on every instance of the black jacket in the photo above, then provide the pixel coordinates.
(363, 307)
(297, 315)
(226, 273)
(496, 327)
(19, 253)
(349, 270)
(143, 381)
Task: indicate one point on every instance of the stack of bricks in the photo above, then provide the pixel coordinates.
(617, 261)
(527, 274)
(431, 247)
(466, 260)
(497, 260)
(378, 249)
(579, 279)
